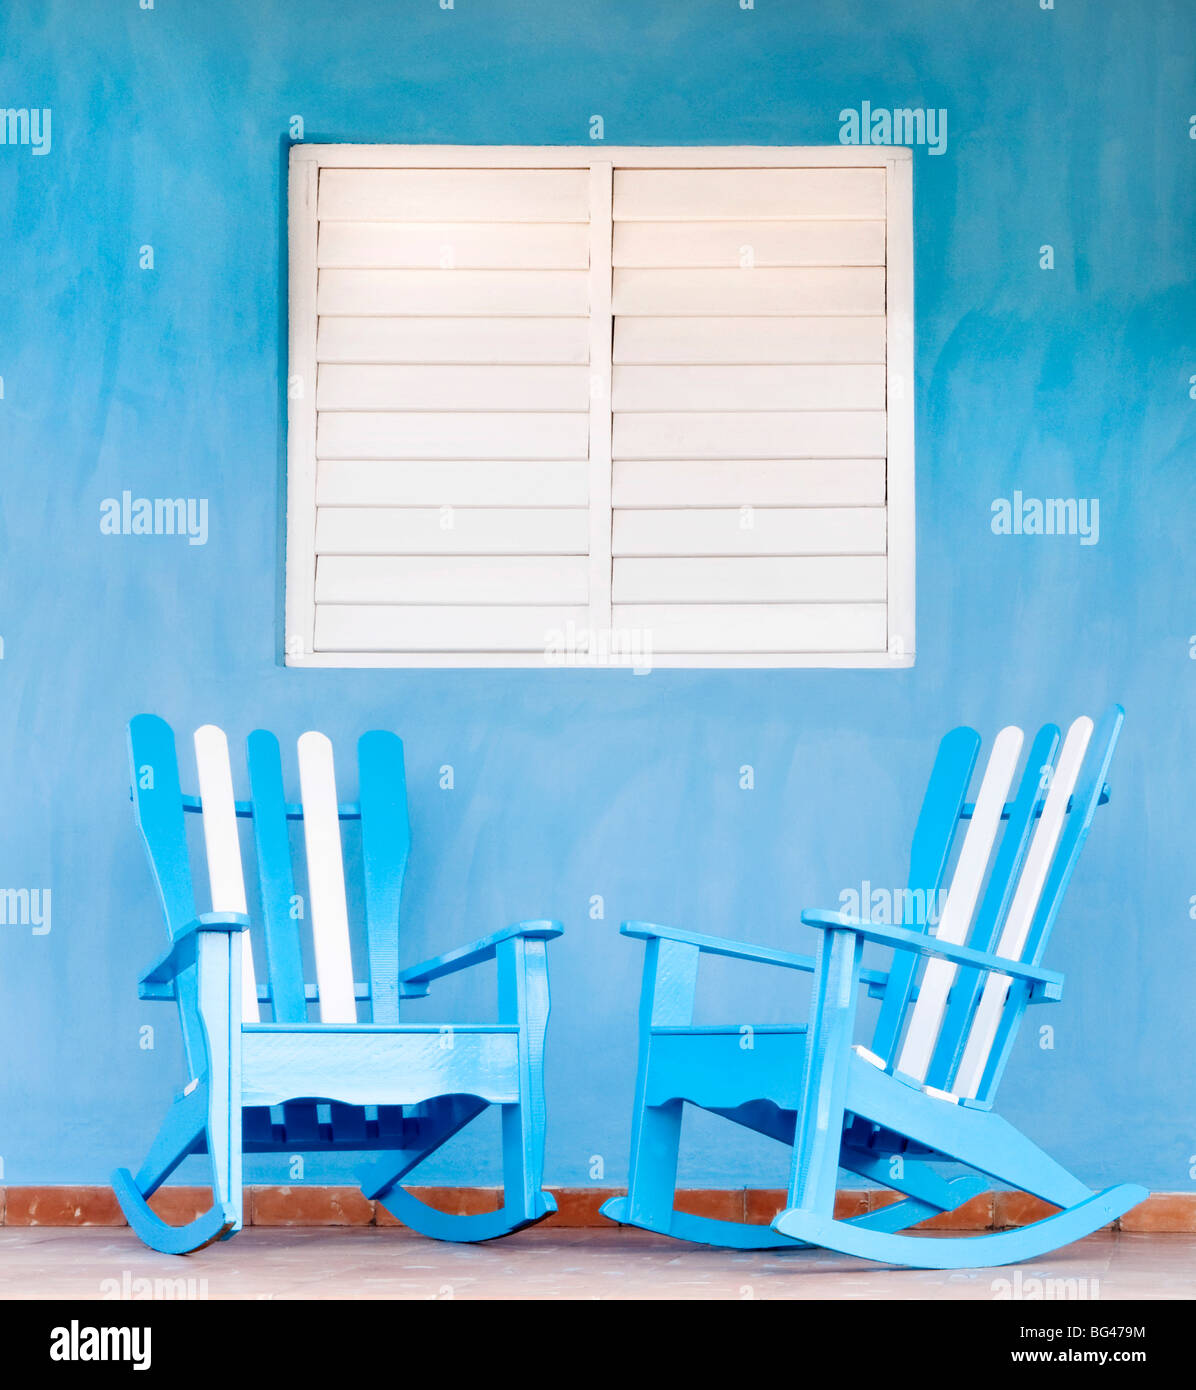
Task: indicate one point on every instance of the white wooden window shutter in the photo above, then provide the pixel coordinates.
(659, 393)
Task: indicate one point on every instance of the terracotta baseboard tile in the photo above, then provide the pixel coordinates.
(62, 1206)
(578, 1206)
(308, 1206)
(721, 1203)
(1162, 1212)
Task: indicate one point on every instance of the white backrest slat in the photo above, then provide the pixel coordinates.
(1025, 904)
(960, 907)
(223, 846)
(326, 880)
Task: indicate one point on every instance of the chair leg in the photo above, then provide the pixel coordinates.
(818, 1137)
(523, 999)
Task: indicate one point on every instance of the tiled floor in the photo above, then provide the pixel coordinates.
(371, 1262)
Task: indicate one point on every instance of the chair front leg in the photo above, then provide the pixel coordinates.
(219, 960)
(819, 1131)
(523, 999)
(666, 1000)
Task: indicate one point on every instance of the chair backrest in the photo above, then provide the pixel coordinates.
(948, 1027)
(381, 809)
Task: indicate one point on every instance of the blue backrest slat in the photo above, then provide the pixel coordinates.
(276, 878)
(937, 823)
(158, 805)
(385, 846)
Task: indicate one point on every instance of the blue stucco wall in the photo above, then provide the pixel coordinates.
(1067, 127)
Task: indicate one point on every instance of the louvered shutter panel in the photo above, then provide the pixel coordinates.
(596, 390)
(749, 409)
(452, 412)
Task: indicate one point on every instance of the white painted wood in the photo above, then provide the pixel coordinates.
(444, 157)
(1016, 930)
(776, 434)
(742, 627)
(462, 245)
(750, 531)
(601, 330)
(688, 661)
(452, 482)
(223, 847)
(727, 339)
(362, 387)
(453, 195)
(301, 409)
(469, 579)
(448, 434)
(836, 290)
(427, 341)
(743, 244)
(751, 579)
(326, 879)
(735, 388)
(900, 392)
(444, 628)
(749, 482)
(452, 531)
(535, 293)
(706, 195)
(955, 925)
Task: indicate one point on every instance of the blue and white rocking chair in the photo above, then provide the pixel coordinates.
(950, 1009)
(291, 1083)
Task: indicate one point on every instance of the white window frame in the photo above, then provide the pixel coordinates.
(306, 161)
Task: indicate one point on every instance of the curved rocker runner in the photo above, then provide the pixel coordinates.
(288, 1084)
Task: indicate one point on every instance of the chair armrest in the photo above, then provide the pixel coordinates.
(738, 950)
(414, 981)
(158, 982)
(1047, 984)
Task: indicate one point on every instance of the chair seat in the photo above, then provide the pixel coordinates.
(365, 1064)
(721, 1066)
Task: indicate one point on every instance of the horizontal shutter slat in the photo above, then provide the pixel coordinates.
(734, 388)
(772, 434)
(453, 195)
(452, 435)
(769, 579)
(388, 628)
(659, 195)
(530, 341)
(836, 290)
(468, 531)
(456, 245)
(459, 579)
(739, 338)
(749, 482)
(740, 243)
(451, 482)
(772, 531)
(374, 387)
(535, 293)
(774, 627)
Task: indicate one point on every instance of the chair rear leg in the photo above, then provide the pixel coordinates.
(523, 999)
(652, 1179)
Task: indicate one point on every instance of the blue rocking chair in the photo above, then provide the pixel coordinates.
(286, 1084)
(950, 1008)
